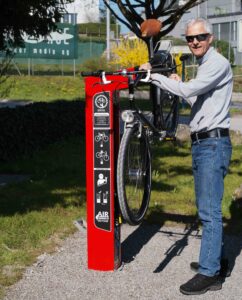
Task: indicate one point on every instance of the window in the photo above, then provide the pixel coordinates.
(224, 31)
(70, 18)
(216, 31)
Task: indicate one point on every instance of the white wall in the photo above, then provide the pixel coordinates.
(86, 10)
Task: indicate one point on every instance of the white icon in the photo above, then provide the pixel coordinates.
(102, 216)
(105, 198)
(101, 101)
(101, 180)
(101, 137)
(103, 156)
(100, 199)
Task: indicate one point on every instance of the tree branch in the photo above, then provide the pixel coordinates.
(116, 16)
(179, 12)
(137, 17)
(131, 11)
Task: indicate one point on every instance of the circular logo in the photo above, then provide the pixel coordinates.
(101, 101)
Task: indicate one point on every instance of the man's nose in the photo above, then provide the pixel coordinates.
(195, 41)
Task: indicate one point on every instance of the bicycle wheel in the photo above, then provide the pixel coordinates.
(134, 175)
(165, 110)
(169, 112)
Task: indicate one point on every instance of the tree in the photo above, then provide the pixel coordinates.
(33, 17)
(134, 12)
(103, 16)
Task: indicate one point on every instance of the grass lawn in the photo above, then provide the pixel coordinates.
(51, 88)
(42, 88)
(36, 215)
(172, 190)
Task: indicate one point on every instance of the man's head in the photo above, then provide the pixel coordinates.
(199, 36)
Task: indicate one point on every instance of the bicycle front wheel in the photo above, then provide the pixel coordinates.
(134, 175)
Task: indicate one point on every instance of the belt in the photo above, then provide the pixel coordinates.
(214, 133)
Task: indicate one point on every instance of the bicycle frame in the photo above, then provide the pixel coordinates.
(138, 115)
(160, 58)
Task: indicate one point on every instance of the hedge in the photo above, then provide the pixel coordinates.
(96, 28)
(25, 129)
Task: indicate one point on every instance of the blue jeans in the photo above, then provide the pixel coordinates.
(210, 162)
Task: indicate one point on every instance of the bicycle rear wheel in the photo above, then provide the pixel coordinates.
(134, 175)
(169, 112)
(165, 110)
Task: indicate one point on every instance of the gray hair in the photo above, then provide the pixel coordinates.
(205, 23)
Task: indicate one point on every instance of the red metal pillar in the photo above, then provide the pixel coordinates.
(102, 138)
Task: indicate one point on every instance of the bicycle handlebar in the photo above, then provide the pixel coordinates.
(126, 72)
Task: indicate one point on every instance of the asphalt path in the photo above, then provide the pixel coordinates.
(155, 262)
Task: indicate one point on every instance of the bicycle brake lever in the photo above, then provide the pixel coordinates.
(147, 78)
(104, 79)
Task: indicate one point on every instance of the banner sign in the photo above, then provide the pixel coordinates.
(59, 44)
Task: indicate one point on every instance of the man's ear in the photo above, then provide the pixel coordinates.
(211, 38)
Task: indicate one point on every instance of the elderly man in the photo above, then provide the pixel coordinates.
(209, 95)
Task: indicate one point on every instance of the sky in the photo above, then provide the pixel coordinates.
(124, 29)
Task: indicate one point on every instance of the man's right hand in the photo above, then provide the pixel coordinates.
(175, 77)
(146, 66)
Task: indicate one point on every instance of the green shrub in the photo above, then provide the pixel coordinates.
(96, 28)
(223, 48)
(94, 64)
(29, 128)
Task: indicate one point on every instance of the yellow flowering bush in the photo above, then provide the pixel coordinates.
(130, 53)
(178, 62)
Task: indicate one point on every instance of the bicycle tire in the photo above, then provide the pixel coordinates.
(165, 104)
(134, 175)
(169, 112)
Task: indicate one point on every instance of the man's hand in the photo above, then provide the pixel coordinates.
(175, 77)
(146, 66)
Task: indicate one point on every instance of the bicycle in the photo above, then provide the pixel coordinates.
(140, 129)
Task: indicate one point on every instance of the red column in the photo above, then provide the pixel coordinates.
(102, 137)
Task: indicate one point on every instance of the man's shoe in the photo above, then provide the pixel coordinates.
(200, 284)
(224, 271)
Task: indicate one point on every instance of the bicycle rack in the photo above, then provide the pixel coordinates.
(102, 142)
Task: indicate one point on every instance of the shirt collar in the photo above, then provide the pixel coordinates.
(202, 59)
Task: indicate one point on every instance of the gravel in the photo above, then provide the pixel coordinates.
(155, 263)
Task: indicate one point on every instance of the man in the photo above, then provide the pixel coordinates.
(209, 95)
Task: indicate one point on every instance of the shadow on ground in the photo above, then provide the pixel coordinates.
(141, 236)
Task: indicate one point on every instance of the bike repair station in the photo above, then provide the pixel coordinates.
(102, 142)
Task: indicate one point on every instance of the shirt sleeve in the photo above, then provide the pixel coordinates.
(209, 76)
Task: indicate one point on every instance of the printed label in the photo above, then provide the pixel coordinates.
(101, 142)
(101, 110)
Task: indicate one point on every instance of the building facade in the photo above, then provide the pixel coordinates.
(226, 19)
(82, 11)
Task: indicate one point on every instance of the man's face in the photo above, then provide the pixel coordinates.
(198, 48)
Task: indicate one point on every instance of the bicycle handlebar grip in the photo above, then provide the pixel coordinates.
(162, 70)
(96, 74)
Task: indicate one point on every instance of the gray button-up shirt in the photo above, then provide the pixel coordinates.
(209, 94)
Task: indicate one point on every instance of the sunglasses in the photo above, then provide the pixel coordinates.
(199, 37)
